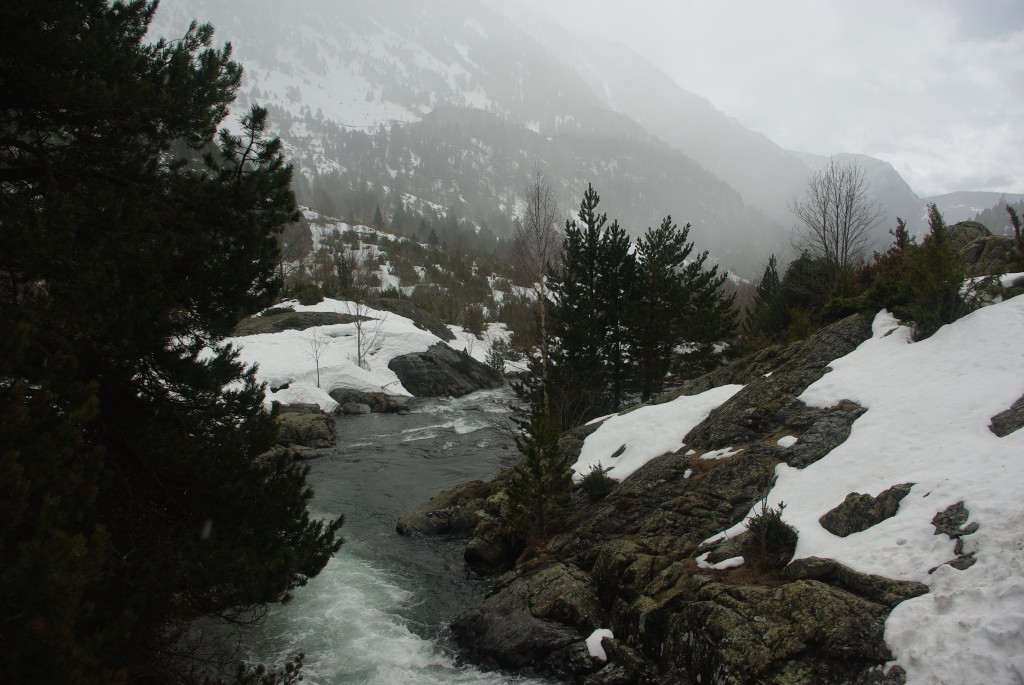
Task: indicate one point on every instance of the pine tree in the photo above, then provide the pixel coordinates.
(936, 276)
(577, 331)
(132, 239)
(616, 292)
(678, 301)
(539, 487)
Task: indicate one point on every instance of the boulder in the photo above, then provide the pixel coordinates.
(1006, 422)
(305, 425)
(442, 372)
(875, 588)
(821, 431)
(453, 512)
(376, 401)
(859, 512)
(966, 232)
(354, 408)
(988, 254)
(537, 620)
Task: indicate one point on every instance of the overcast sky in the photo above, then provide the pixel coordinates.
(935, 87)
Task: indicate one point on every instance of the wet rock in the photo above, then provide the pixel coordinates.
(305, 425)
(859, 512)
(453, 512)
(537, 620)
(377, 401)
(1006, 422)
(443, 372)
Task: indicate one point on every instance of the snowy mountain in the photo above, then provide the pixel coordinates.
(444, 108)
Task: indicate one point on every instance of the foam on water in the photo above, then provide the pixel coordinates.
(348, 623)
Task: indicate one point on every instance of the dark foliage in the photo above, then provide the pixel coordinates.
(131, 242)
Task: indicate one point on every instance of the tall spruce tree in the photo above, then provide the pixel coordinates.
(678, 301)
(132, 239)
(617, 270)
(577, 328)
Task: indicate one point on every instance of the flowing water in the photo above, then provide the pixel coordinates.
(378, 613)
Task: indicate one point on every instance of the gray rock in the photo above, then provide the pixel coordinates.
(875, 588)
(455, 511)
(1006, 422)
(538, 619)
(443, 372)
(765, 403)
(354, 408)
(377, 401)
(988, 254)
(420, 317)
(289, 320)
(859, 512)
(305, 425)
(801, 632)
(822, 431)
(966, 232)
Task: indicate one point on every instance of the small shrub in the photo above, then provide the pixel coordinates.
(308, 293)
(597, 483)
(771, 541)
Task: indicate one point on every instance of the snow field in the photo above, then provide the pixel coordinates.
(929, 405)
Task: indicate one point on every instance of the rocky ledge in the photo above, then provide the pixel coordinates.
(441, 371)
(636, 561)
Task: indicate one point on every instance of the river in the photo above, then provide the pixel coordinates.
(378, 613)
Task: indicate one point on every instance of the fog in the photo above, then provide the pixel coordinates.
(936, 88)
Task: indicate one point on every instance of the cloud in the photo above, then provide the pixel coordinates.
(934, 87)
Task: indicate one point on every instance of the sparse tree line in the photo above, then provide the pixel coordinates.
(617, 314)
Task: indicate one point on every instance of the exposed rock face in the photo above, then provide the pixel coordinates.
(1006, 422)
(443, 372)
(290, 320)
(454, 511)
(418, 316)
(859, 512)
(376, 401)
(983, 254)
(628, 562)
(305, 425)
(768, 402)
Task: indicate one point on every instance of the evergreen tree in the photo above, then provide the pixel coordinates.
(936, 277)
(616, 290)
(677, 301)
(577, 330)
(539, 487)
(132, 239)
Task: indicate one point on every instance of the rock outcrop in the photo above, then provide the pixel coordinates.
(442, 372)
(859, 512)
(286, 319)
(305, 425)
(374, 402)
(637, 561)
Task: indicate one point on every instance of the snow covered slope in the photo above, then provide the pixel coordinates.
(929, 405)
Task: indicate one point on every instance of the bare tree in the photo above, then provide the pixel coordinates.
(368, 330)
(837, 215)
(537, 247)
(315, 347)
